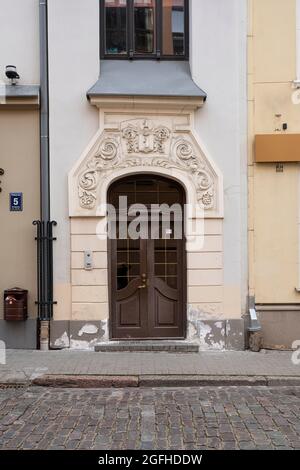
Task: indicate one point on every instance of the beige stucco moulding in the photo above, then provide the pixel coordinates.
(180, 104)
(145, 135)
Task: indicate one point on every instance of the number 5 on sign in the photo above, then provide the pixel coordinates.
(16, 202)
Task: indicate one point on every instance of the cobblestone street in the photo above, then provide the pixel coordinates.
(194, 418)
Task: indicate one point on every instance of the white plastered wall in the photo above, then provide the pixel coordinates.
(219, 66)
(73, 69)
(19, 44)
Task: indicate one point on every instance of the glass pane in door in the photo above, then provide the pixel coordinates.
(128, 262)
(166, 258)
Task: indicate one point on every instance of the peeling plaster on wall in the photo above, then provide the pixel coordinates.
(83, 345)
(216, 346)
(193, 317)
(63, 341)
(203, 314)
(208, 336)
(83, 336)
(192, 333)
(104, 326)
(88, 329)
(204, 332)
(222, 327)
(231, 332)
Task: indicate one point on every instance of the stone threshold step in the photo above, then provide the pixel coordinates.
(148, 346)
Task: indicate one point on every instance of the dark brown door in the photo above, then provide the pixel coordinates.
(147, 288)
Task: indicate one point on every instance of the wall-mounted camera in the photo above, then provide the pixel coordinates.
(12, 74)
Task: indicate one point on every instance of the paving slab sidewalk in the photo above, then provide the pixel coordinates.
(217, 368)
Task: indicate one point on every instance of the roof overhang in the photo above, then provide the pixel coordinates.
(144, 83)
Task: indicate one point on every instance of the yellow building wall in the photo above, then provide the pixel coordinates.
(273, 196)
(20, 159)
(275, 234)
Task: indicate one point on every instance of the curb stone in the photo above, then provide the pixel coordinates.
(86, 381)
(283, 381)
(200, 381)
(144, 381)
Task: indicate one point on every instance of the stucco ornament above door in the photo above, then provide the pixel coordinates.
(143, 137)
(144, 145)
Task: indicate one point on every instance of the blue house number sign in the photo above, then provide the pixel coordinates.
(16, 202)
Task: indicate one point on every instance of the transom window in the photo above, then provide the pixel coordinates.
(144, 29)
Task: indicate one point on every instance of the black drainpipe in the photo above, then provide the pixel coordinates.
(44, 225)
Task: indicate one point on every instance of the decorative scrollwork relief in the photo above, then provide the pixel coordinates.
(145, 138)
(184, 150)
(108, 150)
(105, 158)
(200, 171)
(147, 142)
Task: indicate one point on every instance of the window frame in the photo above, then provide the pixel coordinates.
(130, 55)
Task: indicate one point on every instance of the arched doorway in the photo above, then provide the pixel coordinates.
(147, 271)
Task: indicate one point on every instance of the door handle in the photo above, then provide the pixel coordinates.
(144, 282)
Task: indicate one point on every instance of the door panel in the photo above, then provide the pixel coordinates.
(148, 276)
(128, 312)
(165, 310)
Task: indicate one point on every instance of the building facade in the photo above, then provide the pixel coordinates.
(273, 168)
(149, 100)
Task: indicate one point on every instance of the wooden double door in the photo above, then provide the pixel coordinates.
(148, 274)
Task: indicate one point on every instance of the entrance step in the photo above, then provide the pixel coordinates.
(148, 346)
